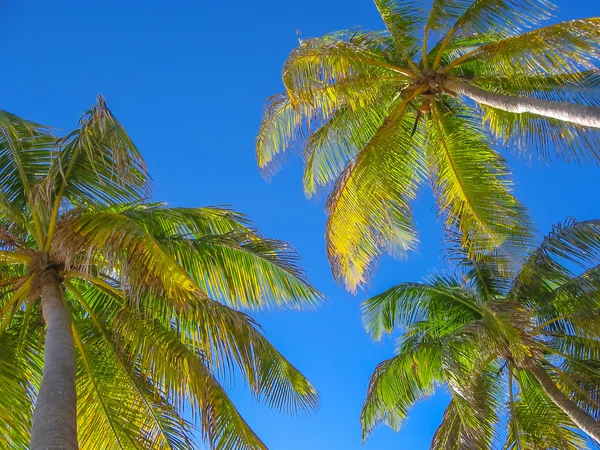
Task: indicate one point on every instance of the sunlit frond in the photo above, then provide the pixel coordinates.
(122, 408)
(336, 142)
(471, 184)
(21, 367)
(407, 303)
(537, 423)
(25, 155)
(98, 162)
(470, 424)
(282, 123)
(226, 257)
(402, 19)
(399, 382)
(560, 49)
(570, 246)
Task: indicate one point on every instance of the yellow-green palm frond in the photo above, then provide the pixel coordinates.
(463, 18)
(21, 365)
(282, 125)
(570, 246)
(547, 138)
(575, 87)
(25, 155)
(398, 383)
(213, 251)
(369, 210)
(347, 79)
(121, 407)
(440, 298)
(127, 246)
(227, 258)
(181, 356)
(471, 417)
(347, 66)
(564, 48)
(471, 184)
(98, 162)
(535, 422)
(402, 19)
(337, 141)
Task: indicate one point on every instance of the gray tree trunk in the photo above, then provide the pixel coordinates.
(55, 416)
(582, 419)
(588, 116)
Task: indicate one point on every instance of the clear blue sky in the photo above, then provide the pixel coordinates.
(188, 80)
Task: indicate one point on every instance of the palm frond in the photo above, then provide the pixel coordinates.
(25, 155)
(561, 49)
(570, 246)
(144, 267)
(337, 141)
(399, 382)
(368, 208)
(407, 303)
(547, 138)
(402, 19)
(281, 125)
(470, 422)
(537, 423)
(21, 365)
(98, 162)
(473, 192)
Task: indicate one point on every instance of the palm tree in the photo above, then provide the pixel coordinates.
(135, 306)
(377, 113)
(526, 343)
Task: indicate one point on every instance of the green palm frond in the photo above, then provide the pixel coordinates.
(470, 421)
(399, 382)
(561, 49)
(569, 245)
(407, 303)
(537, 423)
(146, 265)
(547, 138)
(471, 184)
(282, 124)
(402, 19)
(20, 375)
(226, 257)
(368, 208)
(25, 155)
(119, 403)
(336, 142)
(99, 162)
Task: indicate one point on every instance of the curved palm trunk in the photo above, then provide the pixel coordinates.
(582, 419)
(588, 116)
(55, 416)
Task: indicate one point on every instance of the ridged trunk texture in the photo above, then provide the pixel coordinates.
(55, 416)
(582, 419)
(588, 116)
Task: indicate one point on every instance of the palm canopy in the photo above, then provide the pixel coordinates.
(524, 344)
(375, 114)
(155, 295)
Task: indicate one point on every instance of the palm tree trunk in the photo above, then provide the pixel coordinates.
(55, 416)
(588, 116)
(582, 419)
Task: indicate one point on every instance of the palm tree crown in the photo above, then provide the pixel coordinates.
(378, 113)
(141, 301)
(525, 344)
